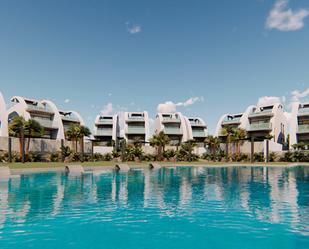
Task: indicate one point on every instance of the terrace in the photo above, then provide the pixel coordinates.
(262, 112)
(261, 126)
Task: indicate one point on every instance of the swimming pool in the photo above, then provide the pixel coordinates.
(185, 207)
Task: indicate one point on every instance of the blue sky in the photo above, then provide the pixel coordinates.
(210, 57)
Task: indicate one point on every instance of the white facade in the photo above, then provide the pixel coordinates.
(239, 120)
(136, 126)
(197, 129)
(106, 129)
(3, 118)
(69, 118)
(175, 126)
(267, 120)
(299, 123)
(46, 113)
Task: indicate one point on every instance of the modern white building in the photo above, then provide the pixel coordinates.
(3, 118)
(55, 122)
(239, 120)
(175, 126)
(136, 126)
(69, 118)
(268, 120)
(299, 124)
(106, 129)
(197, 129)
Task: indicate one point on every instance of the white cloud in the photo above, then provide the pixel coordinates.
(108, 109)
(170, 106)
(133, 28)
(110, 94)
(297, 95)
(67, 101)
(284, 19)
(268, 100)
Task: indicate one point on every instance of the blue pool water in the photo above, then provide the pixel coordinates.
(179, 208)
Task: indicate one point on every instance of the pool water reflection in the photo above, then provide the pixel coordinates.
(185, 207)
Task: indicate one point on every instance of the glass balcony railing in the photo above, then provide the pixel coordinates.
(260, 126)
(136, 119)
(303, 128)
(44, 122)
(173, 131)
(104, 132)
(231, 121)
(42, 108)
(198, 133)
(267, 112)
(303, 110)
(70, 118)
(135, 130)
(105, 121)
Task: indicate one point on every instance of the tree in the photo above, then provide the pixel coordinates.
(72, 134)
(159, 141)
(17, 129)
(238, 136)
(134, 150)
(187, 149)
(228, 132)
(213, 143)
(82, 132)
(32, 129)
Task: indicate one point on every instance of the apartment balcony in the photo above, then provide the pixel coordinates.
(265, 113)
(70, 119)
(303, 129)
(303, 112)
(39, 109)
(46, 123)
(135, 130)
(171, 120)
(234, 121)
(135, 119)
(103, 132)
(260, 127)
(198, 133)
(172, 131)
(105, 122)
(197, 124)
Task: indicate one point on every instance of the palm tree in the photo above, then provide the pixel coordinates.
(82, 132)
(213, 143)
(72, 134)
(238, 136)
(159, 141)
(32, 129)
(188, 147)
(17, 129)
(228, 132)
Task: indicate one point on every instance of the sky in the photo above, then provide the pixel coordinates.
(200, 57)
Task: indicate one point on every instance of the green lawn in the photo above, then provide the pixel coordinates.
(111, 163)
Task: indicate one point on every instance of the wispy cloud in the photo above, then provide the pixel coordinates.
(297, 95)
(285, 19)
(133, 28)
(108, 109)
(67, 101)
(170, 106)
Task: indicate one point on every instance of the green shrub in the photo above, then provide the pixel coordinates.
(107, 157)
(168, 154)
(34, 157)
(258, 157)
(149, 157)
